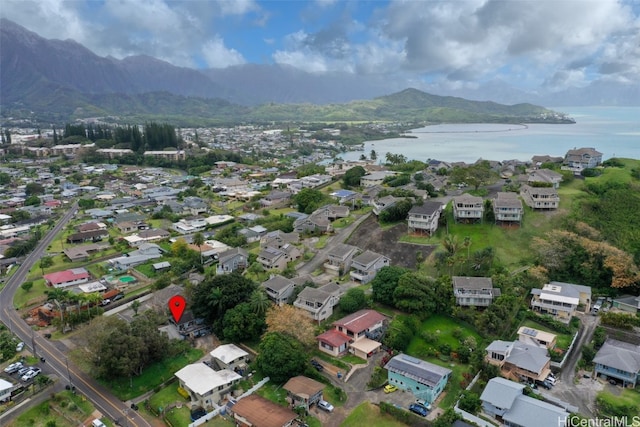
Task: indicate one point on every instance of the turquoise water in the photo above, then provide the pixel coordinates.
(614, 131)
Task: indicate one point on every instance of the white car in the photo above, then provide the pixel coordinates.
(551, 380)
(31, 374)
(14, 367)
(19, 347)
(325, 406)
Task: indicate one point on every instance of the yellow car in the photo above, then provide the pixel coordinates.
(390, 388)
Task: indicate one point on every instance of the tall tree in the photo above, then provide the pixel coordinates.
(45, 262)
(198, 240)
(259, 301)
(281, 357)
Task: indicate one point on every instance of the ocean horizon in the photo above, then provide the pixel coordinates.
(613, 131)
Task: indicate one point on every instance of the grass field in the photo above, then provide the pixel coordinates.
(22, 299)
(367, 414)
(626, 403)
(63, 409)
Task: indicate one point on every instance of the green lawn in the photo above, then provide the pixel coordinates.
(166, 396)
(22, 299)
(63, 409)
(624, 404)
(443, 328)
(368, 414)
(153, 376)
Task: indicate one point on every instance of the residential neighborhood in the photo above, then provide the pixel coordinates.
(307, 296)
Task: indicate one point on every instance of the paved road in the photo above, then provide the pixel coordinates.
(56, 359)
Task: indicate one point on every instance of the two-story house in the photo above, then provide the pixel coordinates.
(205, 386)
(279, 288)
(507, 208)
(423, 219)
(519, 361)
(582, 158)
(505, 400)
(318, 303)
(423, 379)
(561, 300)
(474, 291)
(540, 197)
(619, 360)
(234, 259)
(277, 239)
(546, 176)
(354, 334)
(339, 259)
(383, 203)
(272, 258)
(468, 208)
(365, 266)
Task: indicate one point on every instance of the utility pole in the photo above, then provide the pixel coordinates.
(68, 372)
(33, 343)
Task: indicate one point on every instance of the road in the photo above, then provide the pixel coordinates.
(56, 359)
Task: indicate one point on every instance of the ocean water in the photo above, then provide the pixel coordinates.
(614, 131)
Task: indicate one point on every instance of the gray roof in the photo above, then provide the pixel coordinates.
(427, 208)
(507, 200)
(467, 199)
(628, 300)
(278, 283)
(367, 257)
(501, 392)
(529, 357)
(229, 254)
(416, 369)
(313, 295)
(529, 412)
(619, 355)
(341, 250)
(476, 283)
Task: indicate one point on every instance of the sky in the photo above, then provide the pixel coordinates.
(531, 44)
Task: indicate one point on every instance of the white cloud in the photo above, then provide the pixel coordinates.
(217, 55)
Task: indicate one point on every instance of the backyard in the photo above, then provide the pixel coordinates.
(437, 335)
(63, 409)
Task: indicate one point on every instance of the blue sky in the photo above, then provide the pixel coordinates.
(546, 44)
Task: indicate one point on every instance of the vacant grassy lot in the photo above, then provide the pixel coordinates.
(63, 409)
(368, 414)
(624, 404)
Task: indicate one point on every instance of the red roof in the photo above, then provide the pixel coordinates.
(333, 338)
(66, 276)
(360, 320)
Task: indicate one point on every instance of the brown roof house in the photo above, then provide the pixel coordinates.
(355, 333)
(303, 391)
(256, 411)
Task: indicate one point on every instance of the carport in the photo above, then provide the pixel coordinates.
(365, 347)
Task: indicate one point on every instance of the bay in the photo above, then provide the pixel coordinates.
(614, 131)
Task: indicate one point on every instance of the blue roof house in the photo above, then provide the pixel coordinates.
(425, 380)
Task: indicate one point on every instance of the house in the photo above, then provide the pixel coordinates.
(318, 303)
(561, 300)
(365, 266)
(91, 226)
(507, 208)
(537, 161)
(231, 357)
(519, 361)
(474, 291)
(279, 288)
(423, 219)
(272, 258)
(303, 391)
(423, 379)
(205, 386)
(231, 260)
(66, 278)
(506, 401)
(374, 178)
(275, 199)
(619, 360)
(87, 236)
(146, 236)
(314, 223)
(354, 333)
(188, 226)
(546, 176)
(145, 252)
(581, 158)
(383, 203)
(277, 239)
(468, 208)
(339, 259)
(537, 337)
(628, 303)
(540, 197)
(256, 411)
(5, 390)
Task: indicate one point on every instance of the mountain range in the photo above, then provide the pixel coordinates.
(61, 80)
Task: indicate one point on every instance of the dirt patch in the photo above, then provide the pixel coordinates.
(369, 236)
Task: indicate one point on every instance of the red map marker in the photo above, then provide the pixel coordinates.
(177, 304)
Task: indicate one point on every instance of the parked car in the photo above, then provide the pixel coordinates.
(31, 374)
(424, 403)
(390, 388)
(325, 406)
(105, 302)
(546, 384)
(418, 409)
(117, 297)
(317, 365)
(14, 367)
(19, 347)
(551, 380)
(97, 423)
(24, 370)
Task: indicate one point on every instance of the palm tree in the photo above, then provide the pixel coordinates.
(198, 240)
(259, 301)
(467, 244)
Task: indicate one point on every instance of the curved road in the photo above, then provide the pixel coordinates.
(56, 359)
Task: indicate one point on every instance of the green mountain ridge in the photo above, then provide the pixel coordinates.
(48, 103)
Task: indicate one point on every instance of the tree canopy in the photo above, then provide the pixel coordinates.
(281, 357)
